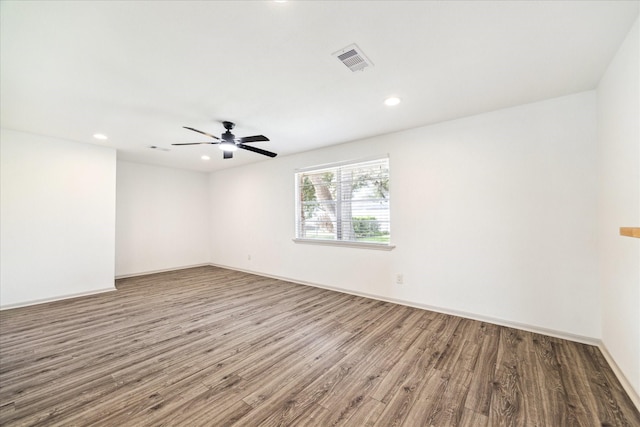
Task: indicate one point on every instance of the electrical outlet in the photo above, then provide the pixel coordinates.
(248, 257)
(399, 278)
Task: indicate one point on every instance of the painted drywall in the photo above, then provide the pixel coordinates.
(162, 218)
(57, 210)
(619, 197)
(492, 215)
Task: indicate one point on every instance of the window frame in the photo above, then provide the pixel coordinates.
(338, 242)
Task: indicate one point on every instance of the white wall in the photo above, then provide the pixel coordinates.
(493, 215)
(57, 210)
(162, 218)
(619, 162)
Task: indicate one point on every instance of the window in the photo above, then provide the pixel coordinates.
(344, 203)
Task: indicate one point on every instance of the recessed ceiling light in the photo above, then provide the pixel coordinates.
(391, 101)
(205, 158)
(100, 136)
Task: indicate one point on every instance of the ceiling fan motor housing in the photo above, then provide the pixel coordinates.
(228, 136)
(228, 142)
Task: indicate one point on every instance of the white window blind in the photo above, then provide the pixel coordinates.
(348, 202)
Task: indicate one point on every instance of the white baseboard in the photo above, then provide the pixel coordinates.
(58, 298)
(631, 392)
(165, 270)
(467, 315)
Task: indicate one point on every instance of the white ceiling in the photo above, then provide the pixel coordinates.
(140, 70)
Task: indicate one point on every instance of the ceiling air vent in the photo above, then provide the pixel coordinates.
(353, 58)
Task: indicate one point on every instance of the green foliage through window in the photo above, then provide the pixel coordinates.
(349, 202)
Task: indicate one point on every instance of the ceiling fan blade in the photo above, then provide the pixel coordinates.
(254, 138)
(204, 133)
(227, 154)
(257, 150)
(196, 143)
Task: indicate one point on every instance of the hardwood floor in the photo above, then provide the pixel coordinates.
(208, 346)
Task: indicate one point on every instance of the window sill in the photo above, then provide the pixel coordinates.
(360, 245)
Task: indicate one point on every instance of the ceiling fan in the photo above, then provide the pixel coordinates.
(229, 143)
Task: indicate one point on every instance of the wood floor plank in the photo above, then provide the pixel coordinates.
(473, 419)
(482, 380)
(209, 346)
(370, 364)
(366, 415)
(506, 401)
(447, 408)
(280, 407)
(404, 393)
(357, 374)
(607, 391)
(418, 359)
(574, 381)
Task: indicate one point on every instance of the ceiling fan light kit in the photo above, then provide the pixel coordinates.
(227, 146)
(229, 143)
